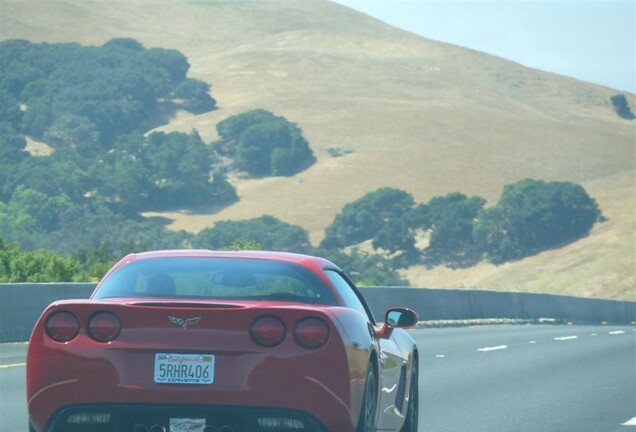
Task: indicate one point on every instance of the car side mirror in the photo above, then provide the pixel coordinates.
(397, 318)
(401, 317)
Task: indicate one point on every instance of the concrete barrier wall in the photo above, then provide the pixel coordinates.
(22, 304)
(449, 304)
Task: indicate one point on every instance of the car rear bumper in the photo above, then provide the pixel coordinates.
(269, 391)
(177, 417)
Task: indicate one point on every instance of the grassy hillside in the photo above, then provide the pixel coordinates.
(600, 265)
(414, 114)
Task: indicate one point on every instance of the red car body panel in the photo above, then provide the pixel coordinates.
(326, 383)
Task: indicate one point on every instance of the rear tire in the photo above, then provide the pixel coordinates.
(368, 413)
(412, 412)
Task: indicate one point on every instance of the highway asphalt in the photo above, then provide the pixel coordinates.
(482, 379)
(528, 379)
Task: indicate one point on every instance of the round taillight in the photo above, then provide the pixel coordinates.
(104, 327)
(62, 326)
(268, 331)
(311, 332)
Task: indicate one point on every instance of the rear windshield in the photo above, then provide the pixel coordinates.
(216, 278)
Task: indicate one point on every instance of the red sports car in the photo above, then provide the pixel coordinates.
(175, 341)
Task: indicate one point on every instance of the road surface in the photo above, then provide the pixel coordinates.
(482, 379)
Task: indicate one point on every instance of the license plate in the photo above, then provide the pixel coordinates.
(184, 368)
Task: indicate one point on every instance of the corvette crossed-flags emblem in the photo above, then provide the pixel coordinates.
(184, 323)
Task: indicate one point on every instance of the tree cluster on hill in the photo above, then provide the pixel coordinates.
(36, 221)
(99, 92)
(266, 231)
(449, 220)
(93, 105)
(621, 106)
(531, 216)
(262, 144)
(160, 170)
(364, 218)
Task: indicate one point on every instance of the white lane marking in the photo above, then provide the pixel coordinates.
(389, 390)
(495, 348)
(617, 332)
(631, 422)
(566, 338)
(7, 366)
(593, 334)
(440, 356)
(533, 342)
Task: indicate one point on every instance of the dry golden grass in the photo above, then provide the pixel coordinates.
(37, 148)
(419, 115)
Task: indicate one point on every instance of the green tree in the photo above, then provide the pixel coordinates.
(621, 106)
(364, 268)
(121, 175)
(450, 219)
(231, 128)
(54, 175)
(37, 119)
(239, 245)
(46, 211)
(195, 95)
(266, 231)
(12, 145)
(12, 152)
(117, 87)
(10, 113)
(98, 222)
(534, 215)
(16, 75)
(162, 170)
(179, 166)
(98, 260)
(395, 236)
(262, 144)
(19, 227)
(36, 266)
(362, 219)
(171, 61)
(44, 266)
(92, 105)
(398, 240)
(75, 132)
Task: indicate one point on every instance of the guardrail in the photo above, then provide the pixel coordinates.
(22, 304)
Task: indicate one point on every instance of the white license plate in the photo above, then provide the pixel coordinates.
(184, 368)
